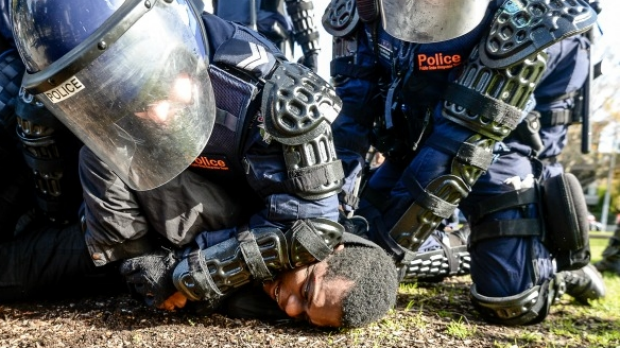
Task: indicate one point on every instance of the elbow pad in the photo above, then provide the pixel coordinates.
(299, 107)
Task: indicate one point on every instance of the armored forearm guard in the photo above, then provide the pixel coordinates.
(488, 98)
(299, 107)
(215, 272)
(304, 29)
(492, 114)
(490, 101)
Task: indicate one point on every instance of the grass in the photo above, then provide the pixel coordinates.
(597, 325)
(461, 330)
(605, 332)
(445, 308)
(426, 315)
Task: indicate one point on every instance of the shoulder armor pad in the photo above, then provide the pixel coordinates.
(245, 55)
(297, 104)
(340, 17)
(523, 27)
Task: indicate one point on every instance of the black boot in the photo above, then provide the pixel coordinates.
(446, 255)
(611, 255)
(584, 284)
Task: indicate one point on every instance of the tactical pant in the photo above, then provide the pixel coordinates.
(502, 266)
(15, 182)
(48, 262)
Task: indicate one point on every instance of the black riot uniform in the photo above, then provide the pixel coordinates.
(442, 109)
(42, 250)
(238, 119)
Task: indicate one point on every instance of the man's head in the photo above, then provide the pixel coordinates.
(353, 287)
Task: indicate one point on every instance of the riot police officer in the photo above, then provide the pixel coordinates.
(13, 182)
(562, 99)
(437, 87)
(42, 248)
(179, 110)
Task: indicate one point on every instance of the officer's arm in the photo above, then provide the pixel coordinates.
(290, 163)
(304, 30)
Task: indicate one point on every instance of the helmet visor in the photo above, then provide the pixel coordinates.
(428, 21)
(145, 106)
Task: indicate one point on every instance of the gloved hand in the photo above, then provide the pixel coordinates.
(356, 224)
(310, 60)
(151, 276)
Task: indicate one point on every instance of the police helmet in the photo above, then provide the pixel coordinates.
(129, 78)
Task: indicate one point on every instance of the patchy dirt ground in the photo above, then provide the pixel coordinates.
(427, 315)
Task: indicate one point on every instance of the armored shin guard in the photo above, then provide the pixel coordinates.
(528, 307)
(566, 219)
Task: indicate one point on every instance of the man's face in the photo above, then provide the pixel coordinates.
(303, 293)
(163, 110)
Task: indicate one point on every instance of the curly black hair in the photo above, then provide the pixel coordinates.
(375, 283)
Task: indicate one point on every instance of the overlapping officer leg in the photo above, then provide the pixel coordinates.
(513, 276)
(518, 246)
(611, 255)
(584, 284)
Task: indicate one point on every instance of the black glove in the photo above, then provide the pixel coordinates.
(356, 224)
(151, 276)
(310, 60)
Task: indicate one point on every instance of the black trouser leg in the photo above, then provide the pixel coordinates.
(15, 184)
(52, 262)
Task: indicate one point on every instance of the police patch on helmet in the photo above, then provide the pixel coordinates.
(65, 90)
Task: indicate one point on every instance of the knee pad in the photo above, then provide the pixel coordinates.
(566, 221)
(562, 210)
(529, 307)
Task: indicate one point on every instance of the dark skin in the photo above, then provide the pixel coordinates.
(302, 293)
